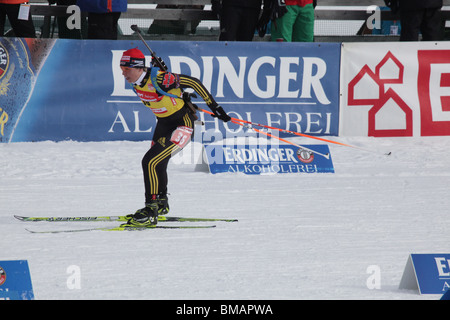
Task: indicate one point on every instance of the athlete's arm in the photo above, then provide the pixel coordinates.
(169, 81)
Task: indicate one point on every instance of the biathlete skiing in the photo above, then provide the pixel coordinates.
(162, 92)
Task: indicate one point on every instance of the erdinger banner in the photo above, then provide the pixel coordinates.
(428, 273)
(75, 89)
(268, 159)
(392, 90)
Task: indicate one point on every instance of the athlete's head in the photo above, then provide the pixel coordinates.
(132, 64)
(133, 58)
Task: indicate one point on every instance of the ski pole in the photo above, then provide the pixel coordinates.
(250, 123)
(306, 136)
(326, 156)
(281, 130)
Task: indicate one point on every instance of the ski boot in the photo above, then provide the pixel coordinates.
(145, 217)
(163, 204)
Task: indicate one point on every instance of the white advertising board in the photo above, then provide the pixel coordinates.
(395, 89)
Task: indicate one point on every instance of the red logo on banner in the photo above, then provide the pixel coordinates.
(406, 132)
(305, 156)
(381, 98)
(434, 92)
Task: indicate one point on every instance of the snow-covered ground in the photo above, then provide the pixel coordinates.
(299, 236)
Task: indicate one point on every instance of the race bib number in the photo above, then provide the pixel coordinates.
(181, 136)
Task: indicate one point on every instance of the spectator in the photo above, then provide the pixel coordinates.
(238, 18)
(22, 28)
(418, 16)
(103, 16)
(174, 26)
(297, 23)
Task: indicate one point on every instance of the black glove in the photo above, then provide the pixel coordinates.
(159, 63)
(220, 113)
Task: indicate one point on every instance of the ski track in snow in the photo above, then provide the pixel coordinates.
(299, 236)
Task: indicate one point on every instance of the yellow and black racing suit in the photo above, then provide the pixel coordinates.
(175, 125)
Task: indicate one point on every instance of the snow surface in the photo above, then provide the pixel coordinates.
(299, 236)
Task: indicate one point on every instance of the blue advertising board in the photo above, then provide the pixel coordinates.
(268, 159)
(446, 295)
(78, 92)
(429, 273)
(15, 281)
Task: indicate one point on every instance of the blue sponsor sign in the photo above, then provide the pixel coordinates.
(268, 159)
(429, 273)
(446, 295)
(79, 93)
(15, 281)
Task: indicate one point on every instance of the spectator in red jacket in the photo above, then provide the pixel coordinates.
(297, 23)
(103, 16)
(22, 28)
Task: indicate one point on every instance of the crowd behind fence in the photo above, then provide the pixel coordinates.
(335, 20)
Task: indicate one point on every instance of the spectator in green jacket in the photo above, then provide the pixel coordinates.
(295, 23)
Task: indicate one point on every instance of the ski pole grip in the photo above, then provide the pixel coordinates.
(134, 27)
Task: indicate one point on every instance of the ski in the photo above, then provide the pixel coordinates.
(71, 219)
(122, 229)
(119, 218)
